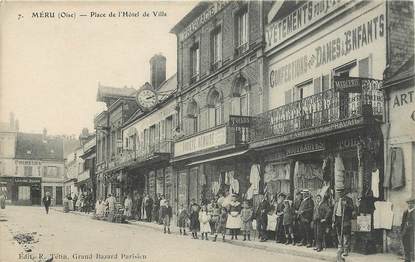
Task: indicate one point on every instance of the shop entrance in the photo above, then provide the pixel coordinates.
(35, 194)
(58, 195)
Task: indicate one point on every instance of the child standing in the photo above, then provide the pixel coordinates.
(165, 215)
(204, 222)
(183, 217)
(194, 220)
(287, 221)
(246, 217)
(221, 224)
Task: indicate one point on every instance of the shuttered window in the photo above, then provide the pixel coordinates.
(317, 85)
(364, 67)
(288, 96)
(325, 82)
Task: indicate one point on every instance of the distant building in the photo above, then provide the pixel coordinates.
(39, 169)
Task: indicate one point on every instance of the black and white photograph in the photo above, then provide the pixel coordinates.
(201, 131)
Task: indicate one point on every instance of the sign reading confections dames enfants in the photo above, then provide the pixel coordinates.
(213, 9)
(348, 38)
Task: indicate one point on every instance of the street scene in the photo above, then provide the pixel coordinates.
(207, 131)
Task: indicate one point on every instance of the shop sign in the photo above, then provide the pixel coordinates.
(356, 84)
(303, 148)
(29, 162)
(202, 19)
(207, 140)
(30, 180)
(299, 19)
(336, 45)
(239, 121)
(348, 143)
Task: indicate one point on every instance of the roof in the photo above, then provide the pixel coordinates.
(35, 147)
(406, 71)
(189, 17)
(108, 92)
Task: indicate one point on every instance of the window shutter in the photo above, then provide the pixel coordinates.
(236, 106)
(317, 85)
(326, 83)
(211, 116)
(162, 130)
(288, 96)
(364, 67)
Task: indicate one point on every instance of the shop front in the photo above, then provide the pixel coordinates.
(209, 164)
(21, 190)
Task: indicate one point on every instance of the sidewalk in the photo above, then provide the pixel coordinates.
(270, 246)
(9, 248)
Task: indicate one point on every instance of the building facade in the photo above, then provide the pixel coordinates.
(39, 158)
(219, 74)
(399, 126)
(120, 105)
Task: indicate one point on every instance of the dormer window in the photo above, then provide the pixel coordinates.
(28, 152)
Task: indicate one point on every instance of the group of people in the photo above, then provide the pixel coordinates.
(222, 214)
(305, 221)
(83, 203)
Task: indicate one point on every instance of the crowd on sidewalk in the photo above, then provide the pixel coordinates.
(313, 222)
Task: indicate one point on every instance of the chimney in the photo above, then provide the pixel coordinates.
(16, 125)
(84, 136)
(44, 133)
(11, 120)
(157, 70)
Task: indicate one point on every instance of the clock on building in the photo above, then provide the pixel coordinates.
(147, 98)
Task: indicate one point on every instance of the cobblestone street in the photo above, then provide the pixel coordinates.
(72, 237)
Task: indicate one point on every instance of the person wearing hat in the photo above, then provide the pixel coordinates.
(233, 222)
(342, 221)
(296, 222)
(407, 230)
(305, 213)
(279, 229)
(261, 216)
(321, 217)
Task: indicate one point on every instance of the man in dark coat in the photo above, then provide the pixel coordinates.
(305, 213)
(149, 208)
(279, 230)
(47, 199)
(407, 231)
(262, 218)
(342, 221)
(296, 223)
(321, 218)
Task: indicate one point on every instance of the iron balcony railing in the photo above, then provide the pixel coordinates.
(322, 109)
(146, 152)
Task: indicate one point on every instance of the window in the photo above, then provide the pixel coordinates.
(169, 128)
(52, 171)
(192, 124)
(24, 193)
(215, 108)
(195, 59)
(240, 99)
(241, 24)
(28, 170)
(303, 90)
(216, 43)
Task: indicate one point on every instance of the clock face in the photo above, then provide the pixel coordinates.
(147, 98)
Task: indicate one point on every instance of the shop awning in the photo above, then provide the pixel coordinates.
(217, 158)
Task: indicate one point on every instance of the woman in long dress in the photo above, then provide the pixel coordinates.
(233, 223)
(128, 205)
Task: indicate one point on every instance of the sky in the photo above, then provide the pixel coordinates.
(50, 67)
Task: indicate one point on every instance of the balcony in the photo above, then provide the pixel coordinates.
(149, 152)
(322, 113)
(234, 133)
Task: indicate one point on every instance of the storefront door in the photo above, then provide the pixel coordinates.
(58, 195)
(35, 194)
(182, 188)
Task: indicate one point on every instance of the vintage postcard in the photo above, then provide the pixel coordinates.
(203, 131)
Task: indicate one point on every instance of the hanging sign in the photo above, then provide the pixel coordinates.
(356, 84)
